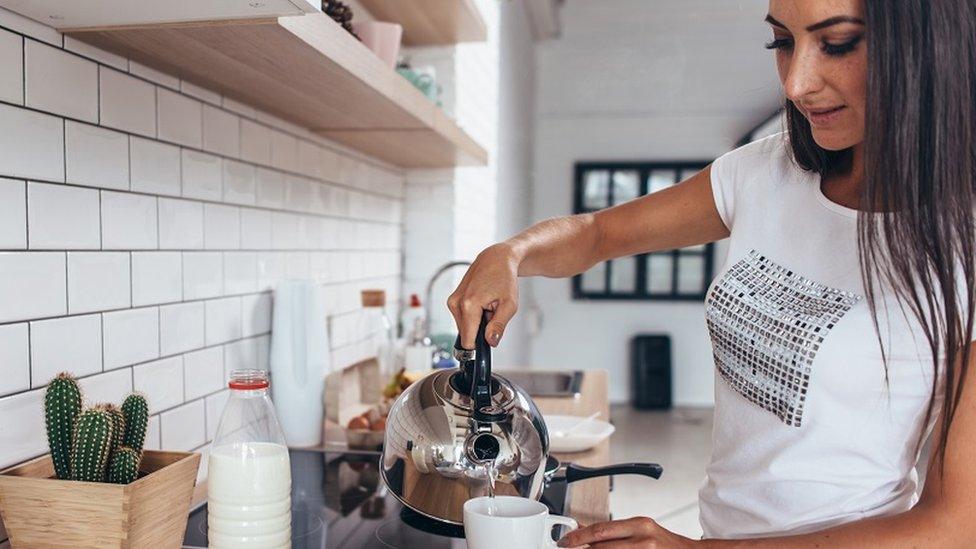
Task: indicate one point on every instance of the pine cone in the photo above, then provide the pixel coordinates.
(340, 13)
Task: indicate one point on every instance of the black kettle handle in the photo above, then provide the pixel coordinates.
(578, 472)
(477, 373)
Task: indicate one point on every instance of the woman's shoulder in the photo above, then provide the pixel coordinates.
(761, 152)
(756, 176)
(764, 160)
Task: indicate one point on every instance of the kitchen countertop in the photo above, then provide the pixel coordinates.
(590, 499)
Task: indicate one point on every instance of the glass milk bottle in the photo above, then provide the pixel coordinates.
(249, 477)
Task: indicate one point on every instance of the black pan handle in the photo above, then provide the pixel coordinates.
(578, 472)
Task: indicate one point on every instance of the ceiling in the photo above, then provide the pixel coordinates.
(697, 61)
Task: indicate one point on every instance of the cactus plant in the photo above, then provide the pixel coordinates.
(118, 425)
(124, 467)
(118, 429)
(92, 444)
(62, 404)
(136, 412)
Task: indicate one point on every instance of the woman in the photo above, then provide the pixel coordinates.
(842, 321)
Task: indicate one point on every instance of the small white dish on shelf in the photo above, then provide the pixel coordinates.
(575, 433)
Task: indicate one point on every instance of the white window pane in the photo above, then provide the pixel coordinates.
(594, 280)
(659, 179)
(691, 271)
(698, 248)
(626, 186)
(623, 276)
(596, 189)
(659, 274)
(687, 174)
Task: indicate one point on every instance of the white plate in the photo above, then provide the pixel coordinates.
(581, 438)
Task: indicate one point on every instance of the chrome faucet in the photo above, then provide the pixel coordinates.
(430, 288)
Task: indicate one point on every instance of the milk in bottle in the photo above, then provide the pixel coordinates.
(249, 477)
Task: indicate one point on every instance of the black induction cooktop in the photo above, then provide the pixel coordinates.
(340, 502)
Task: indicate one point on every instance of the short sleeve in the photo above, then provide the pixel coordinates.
(722, 178)
(743, 170)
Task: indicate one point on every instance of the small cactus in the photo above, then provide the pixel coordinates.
(62, 405)
(92, 444)
(118, 425)
(136, 412)
(118, 429)
(124, 467)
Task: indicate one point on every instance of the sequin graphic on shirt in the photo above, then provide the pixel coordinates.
(767, 324)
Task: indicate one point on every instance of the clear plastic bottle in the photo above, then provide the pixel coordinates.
(249, 476)
(379, 323)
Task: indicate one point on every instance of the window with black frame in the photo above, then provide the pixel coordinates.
(682, 274)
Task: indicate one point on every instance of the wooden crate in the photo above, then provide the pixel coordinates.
(41, 512)
(352, 391)
(348, 393)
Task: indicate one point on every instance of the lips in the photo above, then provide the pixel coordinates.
(823, 116)
(825, 110)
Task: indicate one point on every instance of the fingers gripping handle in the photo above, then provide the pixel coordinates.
(476, 371)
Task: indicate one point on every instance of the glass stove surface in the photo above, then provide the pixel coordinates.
(340, 502)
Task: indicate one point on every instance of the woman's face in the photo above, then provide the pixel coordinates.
(821, 56)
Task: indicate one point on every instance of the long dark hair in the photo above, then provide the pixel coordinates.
(920, 166)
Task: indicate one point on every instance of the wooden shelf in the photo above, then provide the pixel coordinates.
(305, 69)
(431, 22)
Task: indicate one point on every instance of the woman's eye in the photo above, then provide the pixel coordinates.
(841, 49)
(780, 44)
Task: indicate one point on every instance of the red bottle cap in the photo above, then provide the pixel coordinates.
(414, 300)
(248, 380)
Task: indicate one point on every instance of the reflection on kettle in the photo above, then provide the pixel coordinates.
(449, 429)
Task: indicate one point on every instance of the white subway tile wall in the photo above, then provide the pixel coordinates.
(144, 222)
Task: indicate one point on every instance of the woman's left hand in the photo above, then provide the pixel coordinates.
(634, 533)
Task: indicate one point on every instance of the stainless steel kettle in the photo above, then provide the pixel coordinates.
(452, 429)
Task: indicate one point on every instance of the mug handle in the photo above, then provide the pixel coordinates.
(557, 520)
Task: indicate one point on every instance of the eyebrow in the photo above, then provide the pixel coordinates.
(821, 25)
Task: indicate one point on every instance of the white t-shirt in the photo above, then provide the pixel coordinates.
(806, 434)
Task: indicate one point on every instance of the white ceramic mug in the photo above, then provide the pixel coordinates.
(510, 522)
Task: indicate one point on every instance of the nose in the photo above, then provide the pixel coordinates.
(803, 75)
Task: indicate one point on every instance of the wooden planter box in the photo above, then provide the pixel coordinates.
(43, 512)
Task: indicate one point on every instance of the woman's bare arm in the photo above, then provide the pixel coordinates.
(679, 216)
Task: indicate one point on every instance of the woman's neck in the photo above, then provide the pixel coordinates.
(844, 185)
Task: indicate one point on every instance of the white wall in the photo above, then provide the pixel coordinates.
(516, 128)
(454, 214)
(637, 80)
(143, 222)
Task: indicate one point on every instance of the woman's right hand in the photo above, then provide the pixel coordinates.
(491, 284)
